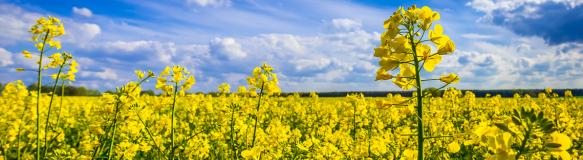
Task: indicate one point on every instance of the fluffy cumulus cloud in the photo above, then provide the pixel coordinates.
(211, 3)
(337, 58)
(346, 24)
(5, 58)
(153, 52)
(557, 21)
(81, 33)
(523, 63)
(227, 48)
(475, 36)
(16, 23)
(105, 74)
(332, 58)
(315, 63)
(82, 11)
(329, 59)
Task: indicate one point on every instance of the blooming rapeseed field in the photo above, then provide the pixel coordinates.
(460, 126)
(255, 122)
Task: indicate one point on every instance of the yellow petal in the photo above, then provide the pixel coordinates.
(423, 50)
(381, 52)
(388, 64)
(431, 62)
(383, 75)
(446, 47)
(407, 70)
(453, 147)
(436, 34)
(450, 78)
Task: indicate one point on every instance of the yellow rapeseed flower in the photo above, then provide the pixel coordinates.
(449, 78)
(224, 88)
(174, 76)
(26, 54)
(453, 147)
(140, 74)
(402, 46)
(564, 143)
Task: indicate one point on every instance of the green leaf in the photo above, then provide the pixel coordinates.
(540, 116)
(503, 127)
(516, 120)
(531, 116)
(549, 129)
(553, 145)
(516, 113)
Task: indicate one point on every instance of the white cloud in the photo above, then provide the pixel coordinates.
(16, 23)
(281, 44)
(509, 5)
(81, 33)
(152, 54)
(153, 51)
(106, 74)
(311, 63)
(339, 58)
(477, 36)
(330, 76)
(5, 58)
(234, 78)
(346, 24)
(522, 63)
(84, 61)
(227, 48)
(211, 3)
(516, 8)
(125, 46)
(82, 11)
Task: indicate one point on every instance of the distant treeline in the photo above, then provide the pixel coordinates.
(69, 90)
(478, 93)
(72, 90)
(82, 91)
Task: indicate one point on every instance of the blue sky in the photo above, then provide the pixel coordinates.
(323, 45)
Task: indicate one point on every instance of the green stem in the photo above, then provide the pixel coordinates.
(524, 142)
(59, 111)
(110, 153)
(257, 114)
(39, 85)
(47, 125)
(150, 134)
(18, 143)
(117, 110)
(369, 135)
(102, 138)
(419, 98)
(61, 105)
(19, 129)
(354, 122)
(172, 121)
(233, 131)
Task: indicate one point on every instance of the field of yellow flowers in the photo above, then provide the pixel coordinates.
(458, 126)
(256, 122)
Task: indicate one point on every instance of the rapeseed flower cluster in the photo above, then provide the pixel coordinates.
(402, 46)
(174, 77)
(263, 80)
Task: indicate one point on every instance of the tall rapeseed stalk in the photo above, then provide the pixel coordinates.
(403, 47)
